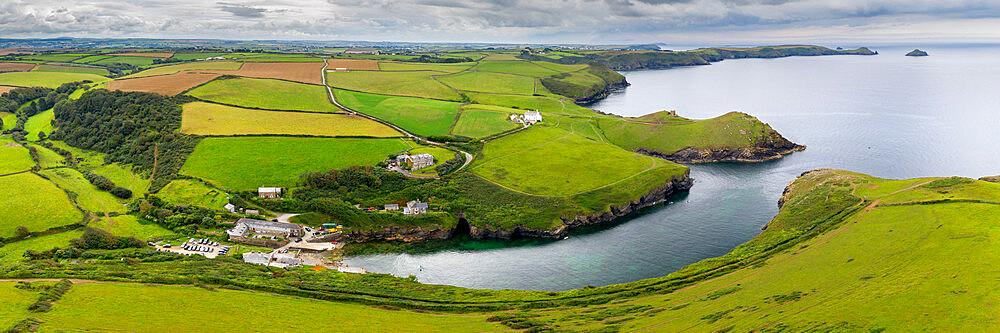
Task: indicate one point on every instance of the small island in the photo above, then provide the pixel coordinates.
(916, 53)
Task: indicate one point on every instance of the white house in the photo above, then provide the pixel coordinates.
(415, 208)
(269, 192)
(419, 161)
(230, 207)
(532, 117)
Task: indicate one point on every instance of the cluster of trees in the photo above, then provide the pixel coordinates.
(450, 165)
(166, 61)
(27, 102)
(130, 127)
(117, 69)
(354, 184)
(183, 219)
(94, 238)
(440, 60)
(105, 184)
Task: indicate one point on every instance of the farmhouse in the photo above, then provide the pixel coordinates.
(391, 207)
(230, 207)
(532, 117)
(245, 225)
(269, 192)
(419, 161)
(415, 208)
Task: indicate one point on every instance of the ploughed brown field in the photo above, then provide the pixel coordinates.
(4, 89)
(11, 50)
(305, 72)
(15, 67)
(145, 54)
(353, 64)
(168, 85)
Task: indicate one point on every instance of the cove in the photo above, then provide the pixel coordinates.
(888, 115)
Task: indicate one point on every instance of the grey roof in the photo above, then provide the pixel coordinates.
(261, 223)
(392, 206)
(420, 205)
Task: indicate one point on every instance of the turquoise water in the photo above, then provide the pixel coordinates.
(887, 115)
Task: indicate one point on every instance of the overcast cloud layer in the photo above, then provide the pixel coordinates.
(544, 21)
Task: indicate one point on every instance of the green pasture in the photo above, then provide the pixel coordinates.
(392, 66)
(273, 57)
(477, 121)
(90, 158)
(14, 302)
(45, 79)
(196, 55)
(39, 123)
(214, 119)
(14, 252)
(732, 130)
(131, 60)
(421, 116)
(201, 65)
(88, 196)
(70, 69)
(413, 84)
(243, 163)
(131, 226)
(34, 203)
(188, 192)
(48, 158)
(98, 306)
(123, 176)
(56, 57)
(9, 120)
(535, 161)
(560, 67)
(525, 68)
(93, 58)
(14, 159)
(491, 83)
(266, 94)
(553, 104)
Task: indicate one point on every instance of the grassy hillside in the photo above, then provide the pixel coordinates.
(187, 192)
(215, 119)
(88, 196)
(490, 82)
(413, 84)
(45, 79)
(243, 163)
(266, 94)
(425, 117)
(477, 121)
(654, 133)
(34, 203)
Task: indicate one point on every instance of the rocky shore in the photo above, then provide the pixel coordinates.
(761, 153)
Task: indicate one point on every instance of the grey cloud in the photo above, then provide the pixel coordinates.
(242, 10)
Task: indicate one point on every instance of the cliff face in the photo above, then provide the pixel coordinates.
(756, 153)
(413, 234)
(649, 199)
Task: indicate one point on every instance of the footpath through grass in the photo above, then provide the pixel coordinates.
(244, 163)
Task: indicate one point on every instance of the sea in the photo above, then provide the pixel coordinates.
(886, 115)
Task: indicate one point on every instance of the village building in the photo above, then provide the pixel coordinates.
(246, 225)
(230, 207)
(280, 260)
(341, 69)
(362, 52)
(391, 207)
(532, 117)
(415, 208)
(269, 192)
(257, 258)
(419, 161)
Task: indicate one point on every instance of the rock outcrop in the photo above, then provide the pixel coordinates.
(651, 198)
(916, 53)
(757, 153)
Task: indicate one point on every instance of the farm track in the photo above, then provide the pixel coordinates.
(14, 173)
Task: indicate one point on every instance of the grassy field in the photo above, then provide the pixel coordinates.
(70, 69)
(244, 163)
(13, 159)
(515, 67)
(14, 252)
(130, 226)
(9, 120)
(193, 66)
(196, 55)
(414, 84)
(213, 119)
(48, 158)
(124, 177)
(731, 130)
(391, 66)
(137, 307)
(39, 123)
(421, 116)
(490, 82)
(560, 67)
(266, 94)
(88, 196)
(131, 60)
(34, 203)
(553, 104)
(477, 121)
(535, 161)
(45, 79)
(187, 192)
(14, 304)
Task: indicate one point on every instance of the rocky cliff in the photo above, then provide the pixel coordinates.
(651, 198)
(756, 153)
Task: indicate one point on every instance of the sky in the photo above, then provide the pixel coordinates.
(703, 22)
